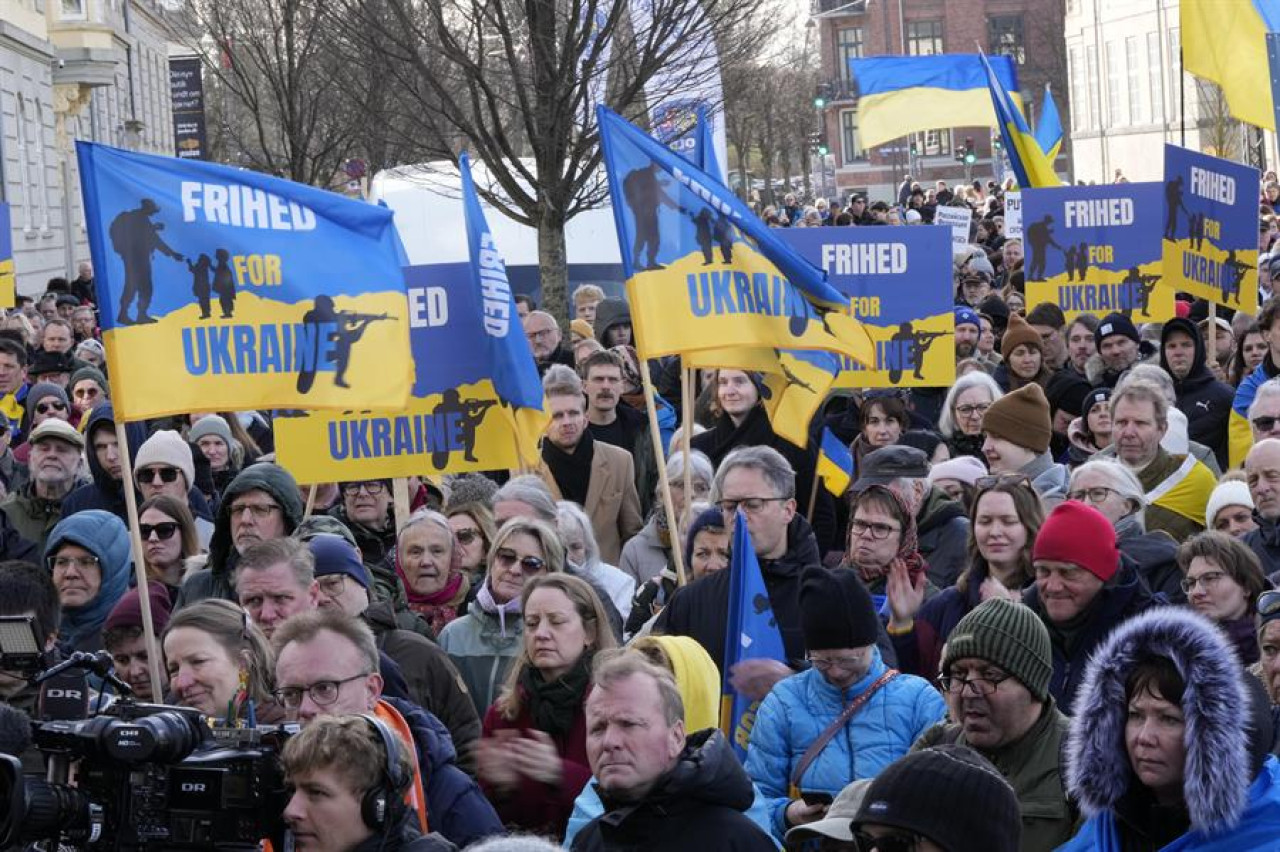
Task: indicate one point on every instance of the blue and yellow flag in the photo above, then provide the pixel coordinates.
(225, 289)
(1186, 492)
(703, 272)
(835, 463)
(1049, 127)
(1225, 41)
(1031, 165)
(705, 148)
(907, 94)
(512, 369)
(752, 634)
(8, 277)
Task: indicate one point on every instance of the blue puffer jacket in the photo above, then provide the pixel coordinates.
(801, 707)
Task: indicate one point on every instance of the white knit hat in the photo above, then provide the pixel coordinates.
(1230, 493)
(964, 469)
(167, 447)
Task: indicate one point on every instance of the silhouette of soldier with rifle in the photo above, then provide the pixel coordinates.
(135, 238)
(1234, 271)
(471, 413)
(1141, 286)
(911, 345)
(341, 328)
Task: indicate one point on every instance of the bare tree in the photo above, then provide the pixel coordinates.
(513, 82)
(284, 97)
(1221, 134)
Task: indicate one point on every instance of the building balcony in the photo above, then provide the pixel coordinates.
(837, 7)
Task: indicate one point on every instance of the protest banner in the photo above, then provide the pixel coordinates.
(1095, 250)
(899, 285)
(960, 221)
(1210, 228)
(225, 289)
(8, 273)
(453, 422)
(1013, 215)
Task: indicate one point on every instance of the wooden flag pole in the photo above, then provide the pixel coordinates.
(1212, 342)
(311, 501)
(686, 404)
(139, 560)
(813, 496)
(677, 554)
(400, 492)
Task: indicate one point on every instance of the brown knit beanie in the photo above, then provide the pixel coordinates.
(1022, 418)
(1019, 333)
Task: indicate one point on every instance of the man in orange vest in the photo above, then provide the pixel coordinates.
(327, 664)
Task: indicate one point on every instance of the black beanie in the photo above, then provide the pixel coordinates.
(949, 794)
(1066, 392)
(836, 610)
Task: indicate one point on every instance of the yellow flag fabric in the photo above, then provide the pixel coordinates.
(1186, 491)
(1225, 41)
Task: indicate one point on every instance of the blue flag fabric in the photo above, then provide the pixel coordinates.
(514, 373)
(1049, 127)
(705, 149)
(752, 634)
(1031, 165)
(225, 289)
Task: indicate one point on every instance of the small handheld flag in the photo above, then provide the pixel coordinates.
(835, 463)
(1030, 164)
(1049, 127)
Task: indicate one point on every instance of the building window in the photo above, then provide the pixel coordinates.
(1133, 65)
(73, 10)
(1175, 73)
(1095, 93)
(924, 38)
(848, 46)
(1079, 96)
(1116, 114)
(932, 143)
(1004, 37)
(850, 146)
(1155, 73)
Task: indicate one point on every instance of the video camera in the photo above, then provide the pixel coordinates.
(146, 777)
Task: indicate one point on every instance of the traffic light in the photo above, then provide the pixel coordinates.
(822, 96)
(961, 154)
(915, 148)
(823, 150)
(970, 156)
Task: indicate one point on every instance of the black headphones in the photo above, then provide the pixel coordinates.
(383, 801)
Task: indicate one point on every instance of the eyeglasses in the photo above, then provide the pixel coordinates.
(163, 530)
(63, 563)
(148, 475)
(970, 410)
(85, 393)
(332, 585)
(980, 685)
(890, 843)
(1096, 495)
(879, 532)
(1001, 479)
(46, 407)
(373, 489)
(322, 692)
(826, 664)
(538, 335)
(1264, 424)
(750, 505)
(466, 535)
(528, 564)
(256, 509)
(1207, 579)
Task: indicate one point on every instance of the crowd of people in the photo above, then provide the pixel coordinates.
(1044, 614)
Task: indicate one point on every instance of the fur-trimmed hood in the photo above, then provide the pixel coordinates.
(1219, 765)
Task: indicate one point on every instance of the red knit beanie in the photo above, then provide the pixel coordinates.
(128, 610)
(1081, 535)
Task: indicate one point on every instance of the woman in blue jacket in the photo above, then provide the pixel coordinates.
(846, 718)
(1169, 747)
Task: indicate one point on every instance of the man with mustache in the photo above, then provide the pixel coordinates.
(615, 422)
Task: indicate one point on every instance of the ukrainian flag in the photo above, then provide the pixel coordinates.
(1030, 164)
(1186, 492)
(1225, 41)
(835, 463)
(906, 94)
(1049, 128)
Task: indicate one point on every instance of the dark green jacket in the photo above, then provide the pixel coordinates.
(1033, 767)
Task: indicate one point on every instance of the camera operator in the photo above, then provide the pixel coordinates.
(349, 775)
(27, 590)
(125, 640)
(327, 663)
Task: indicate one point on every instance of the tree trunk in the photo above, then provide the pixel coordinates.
(553, 268)
(806, 164)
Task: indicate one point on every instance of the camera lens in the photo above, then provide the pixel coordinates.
(39, 810)
(165, 737)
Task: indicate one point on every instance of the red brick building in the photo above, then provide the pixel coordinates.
(1030, 31)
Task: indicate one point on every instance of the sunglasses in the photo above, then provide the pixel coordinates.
(46, 407)
(466, 536)
(1264, 424)
(163, 530)
(528, 564)
(166, 474)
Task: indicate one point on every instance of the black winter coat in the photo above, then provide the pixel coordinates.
(1205, 400)
(696, 806)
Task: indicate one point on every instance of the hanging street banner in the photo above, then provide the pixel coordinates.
(454, 421)
(1096, 250)
(8, 273)
(222, 289)
(899, 285)
(186, 91)
(1210, 228)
